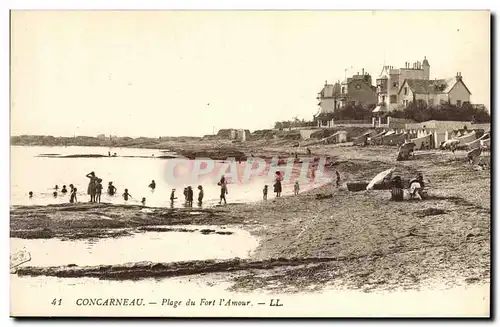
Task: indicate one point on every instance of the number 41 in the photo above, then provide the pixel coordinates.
(56, 301)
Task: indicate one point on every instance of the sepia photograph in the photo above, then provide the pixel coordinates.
(250, 163)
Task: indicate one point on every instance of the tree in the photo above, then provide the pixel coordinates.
(421, 112)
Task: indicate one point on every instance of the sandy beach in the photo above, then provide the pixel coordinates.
(321, 238)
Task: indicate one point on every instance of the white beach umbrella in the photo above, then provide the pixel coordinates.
(380, 177)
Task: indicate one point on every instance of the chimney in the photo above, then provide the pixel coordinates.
(326, 82)
(363, 70)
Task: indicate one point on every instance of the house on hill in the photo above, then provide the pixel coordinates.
(434, 92)
(357, 89)
(390, 80)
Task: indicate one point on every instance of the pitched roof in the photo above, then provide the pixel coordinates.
(329, 90)
(437, 86)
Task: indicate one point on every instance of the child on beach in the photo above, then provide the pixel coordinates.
(126, 195)
(172, 195)
(54, 194)
(143, 201)
(98, 190)
(56, 187)
(185, 194)
(223, 189)
(30, 194)
(190, 196)
(152, 186)
(64, 190)
(200, 195)
(72, 198)
(111, 188)
(338, 178)
(296, 188)
(264, 193)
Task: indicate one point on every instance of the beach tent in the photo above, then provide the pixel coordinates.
(380, 178)
(485, 143)
(405, 150)
(423, 142)
(362, 139)
(473, 154)
(394, 139)
(376, 139)
(467, 138)
(474, 144)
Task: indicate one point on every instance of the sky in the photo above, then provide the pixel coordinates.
(175, 73)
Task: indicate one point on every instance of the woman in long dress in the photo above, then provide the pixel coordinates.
(91, 190)
(277, 184)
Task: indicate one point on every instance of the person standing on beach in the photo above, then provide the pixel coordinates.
(91, 190)
(64, 190)
(200, 195)
(223, 189)
(190, 196)
(264, 193)
(143, 201)
(152, 186)
(337, 183)
(72, 197)
(172, 195)
(30, 194)
(98, 190)
(277, 184)
(56, 187)
(296, 188)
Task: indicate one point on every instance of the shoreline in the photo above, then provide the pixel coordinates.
(398, 244)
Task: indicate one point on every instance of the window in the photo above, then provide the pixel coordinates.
(394, 98)
(343, 90)
(395, 84)
(459, 103)
(406, 90)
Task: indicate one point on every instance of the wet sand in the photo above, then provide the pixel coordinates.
(325, 237)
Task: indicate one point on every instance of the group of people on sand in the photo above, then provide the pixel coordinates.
(416, 190)
(95, 188)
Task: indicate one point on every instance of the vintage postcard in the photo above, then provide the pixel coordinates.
(250, 163)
